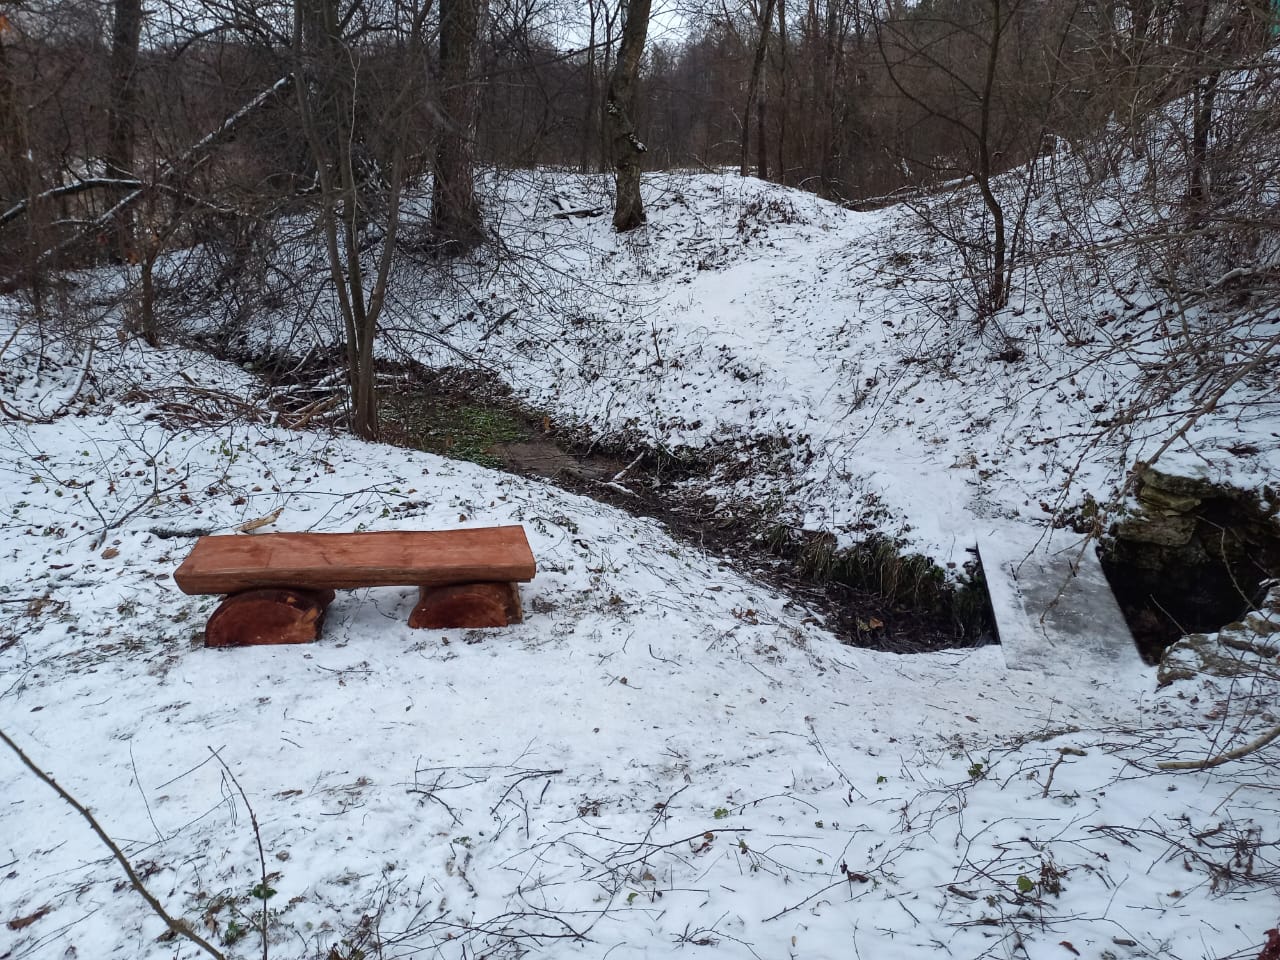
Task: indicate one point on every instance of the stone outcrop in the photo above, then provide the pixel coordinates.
(1190, 555)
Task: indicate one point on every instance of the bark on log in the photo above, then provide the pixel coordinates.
(467, 605)
(259, 617)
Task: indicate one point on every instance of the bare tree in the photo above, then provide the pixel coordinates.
(753, 90)
(19, 171)
(357, 199)
(627, 147)
(983, 84)
(126, 31)
(783, 71)
(455, 208)
(591, 106)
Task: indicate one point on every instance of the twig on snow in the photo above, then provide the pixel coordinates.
(257, 836)
(847, 878)
(1225, 757)
(178, 928)
(521, 778)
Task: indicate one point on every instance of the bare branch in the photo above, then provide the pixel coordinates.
(1226, 757)
(177, 927)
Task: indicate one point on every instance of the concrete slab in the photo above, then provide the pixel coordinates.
(1054, 610)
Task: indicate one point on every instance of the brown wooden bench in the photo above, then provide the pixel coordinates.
(280, 584)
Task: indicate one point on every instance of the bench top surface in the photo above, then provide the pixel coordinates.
(344, 561)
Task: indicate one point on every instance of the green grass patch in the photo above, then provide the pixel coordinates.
(464, 431)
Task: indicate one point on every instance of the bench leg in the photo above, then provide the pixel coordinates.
(267, 616)
(467, 605)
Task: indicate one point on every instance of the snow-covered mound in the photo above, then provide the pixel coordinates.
(825, 367)
(834, 351)
(664, 755)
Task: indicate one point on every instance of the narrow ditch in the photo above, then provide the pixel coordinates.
(871, 595)
(1190, 557)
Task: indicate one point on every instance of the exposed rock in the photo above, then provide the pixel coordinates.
(1184, 486)
(1191, 555)
(1158, 499)
(1199, 653)
(1165, 531)
(1266, 626)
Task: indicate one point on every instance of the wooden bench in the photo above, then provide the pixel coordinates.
(279, 585)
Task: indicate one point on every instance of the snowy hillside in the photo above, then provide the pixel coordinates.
(665, 755)
(749, 323)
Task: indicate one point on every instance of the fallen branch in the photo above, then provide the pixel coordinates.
(178, 928)
(580, 212)
(622, 474)
(1227, 757)
(521, 778)
(313, 410)
(848, 879)
(15, 414)
(658, 847)
(68, 190)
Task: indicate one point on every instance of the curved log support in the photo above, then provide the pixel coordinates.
(467, 605)
(267, 616)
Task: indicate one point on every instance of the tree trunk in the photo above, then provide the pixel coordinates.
(15, 162)
(786, 92)
(1202, 123)
(753, 86)
(996, 287)
(455, 209)
(832, 46)
(20, 177)
(604, 151)
(762, 141)
(122, 109)
(628, 211)
(1204, 92)
(326, 70)
(590, 135)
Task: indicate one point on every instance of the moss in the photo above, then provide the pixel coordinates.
(463, 431)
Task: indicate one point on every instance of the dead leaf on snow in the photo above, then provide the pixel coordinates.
(23, 922)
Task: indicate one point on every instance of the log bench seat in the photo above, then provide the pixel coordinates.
(278, 585)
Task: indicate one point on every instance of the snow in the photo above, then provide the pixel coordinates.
(829, 347)
(666, 754)
(1053, 607)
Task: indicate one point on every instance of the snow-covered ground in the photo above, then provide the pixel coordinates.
(666, 755)
(829, 348)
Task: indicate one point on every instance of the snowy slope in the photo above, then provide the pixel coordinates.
(830, 350)
(664, 755)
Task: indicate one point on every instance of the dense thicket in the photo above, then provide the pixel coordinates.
(851, 98)
(126, 131)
